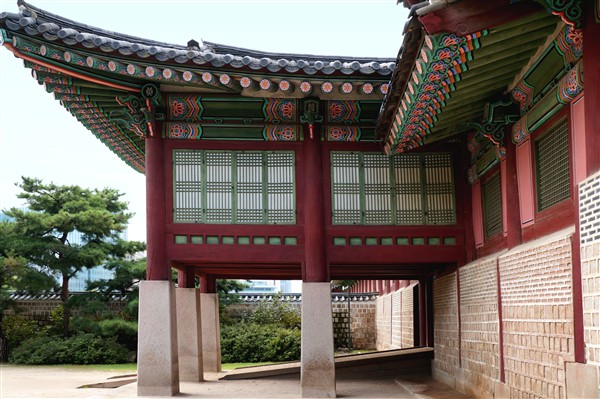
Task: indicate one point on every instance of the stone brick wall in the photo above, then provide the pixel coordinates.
(479, 325)
(537, 316)
(395, 328)
(445, 327)
(39, 307)
(362, 324)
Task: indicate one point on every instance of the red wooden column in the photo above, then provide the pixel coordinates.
(186, 278)
(511, 217)
(591, 60)
(208, 285)
(158, 267)
(315, 266)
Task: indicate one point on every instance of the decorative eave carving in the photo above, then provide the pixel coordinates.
(443, 58)
(569, 87)
(570, 11)
(569, 44)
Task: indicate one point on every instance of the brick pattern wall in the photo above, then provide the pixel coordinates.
(384, 322)
(396, 304)
(407, 318)
(589, 214)
(445, 321)
(537, 316)
(479, 325)
(395, 328)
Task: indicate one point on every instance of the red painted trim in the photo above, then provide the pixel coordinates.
(578, 326)
(186, 278)
(68, 72)
(464, 197)
(477, 207)
(158, 267)
(459, 329)
(579, 138)
(525, 182)
(510, 194)
(500, 325)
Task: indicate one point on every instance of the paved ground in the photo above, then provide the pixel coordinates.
(63, 382)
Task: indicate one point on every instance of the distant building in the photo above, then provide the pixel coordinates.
(271, 287)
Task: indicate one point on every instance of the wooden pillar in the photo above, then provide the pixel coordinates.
(315, 266)
(157, 265)
(591, 60)
(425, 313)
(208, 284)
(186, 278)
(511, 217)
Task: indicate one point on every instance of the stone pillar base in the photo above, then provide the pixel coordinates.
(317, 364)
(211, 333)
(158, 367)
(189, 335)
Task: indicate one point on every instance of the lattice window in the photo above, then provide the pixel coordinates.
(407, 189)
(492, 205)
(552, 166)
(236, 187)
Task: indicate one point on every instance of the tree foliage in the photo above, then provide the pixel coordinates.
(54, 213)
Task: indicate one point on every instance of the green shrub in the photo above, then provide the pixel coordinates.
(252, 342)
(19, 329)
(79, 349)
(276, 312)
(124, 331)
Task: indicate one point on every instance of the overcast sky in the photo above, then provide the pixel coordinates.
(39, 138)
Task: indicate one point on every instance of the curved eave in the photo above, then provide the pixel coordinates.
(435, 106)
(35, 22)
(88, 69)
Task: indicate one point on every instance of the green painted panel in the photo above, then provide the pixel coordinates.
(387, 241)
(339, 241)
(449, 240)
(433, 241)
(275, 240)
(243, 240)
(258, 240)
(371, 241)
(181, 239)
(197, 239)
(355, 241)
(216, 109)
(418, 241)
(402, 241)
(212, 239)
(227, 240)
(290, 241)
(252, 133)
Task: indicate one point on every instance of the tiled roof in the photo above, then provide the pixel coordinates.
(37, 22)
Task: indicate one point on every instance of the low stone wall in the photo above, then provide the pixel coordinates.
(39, 307)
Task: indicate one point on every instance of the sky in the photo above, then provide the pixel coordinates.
(39, 138)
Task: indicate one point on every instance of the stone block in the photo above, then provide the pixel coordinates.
(582, 380)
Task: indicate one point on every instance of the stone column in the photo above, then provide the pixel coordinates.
(211, 334)
(318, 362)
(158, 366)
(189, 334)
